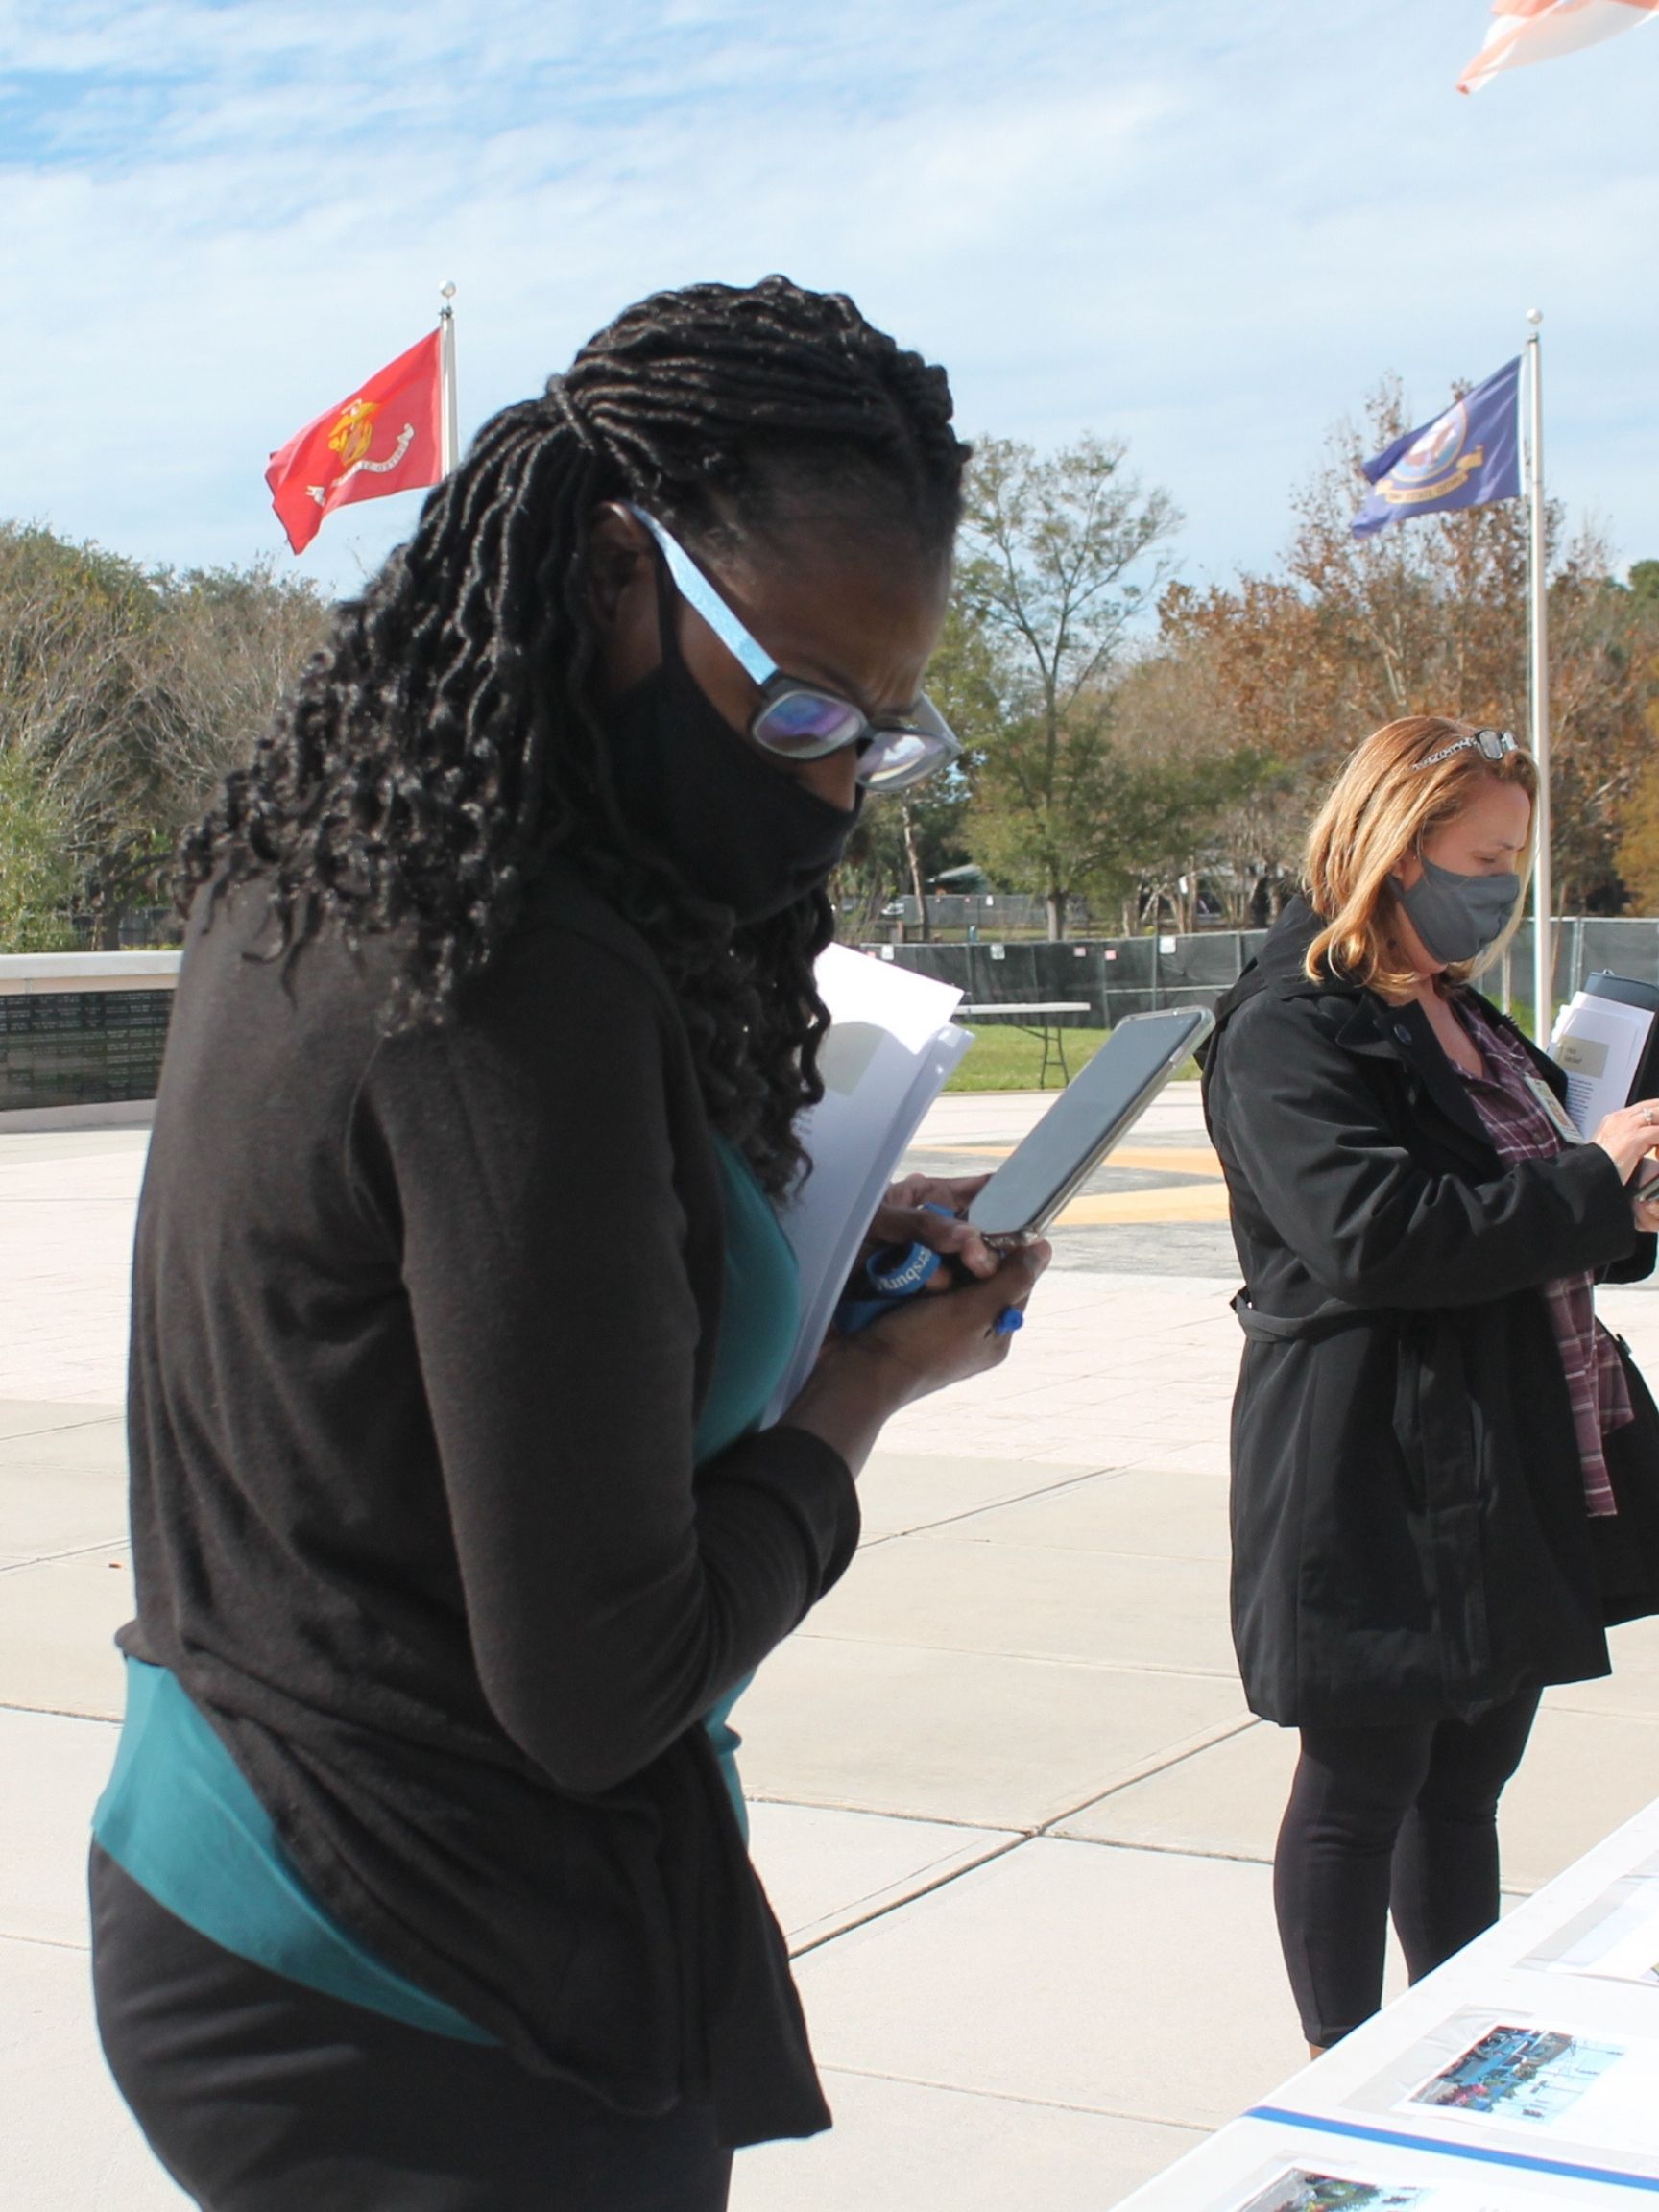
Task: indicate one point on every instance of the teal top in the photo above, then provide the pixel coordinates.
(181, 1818)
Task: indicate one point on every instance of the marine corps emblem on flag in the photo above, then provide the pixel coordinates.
(354, 430)
(355, 452)
(353, 434)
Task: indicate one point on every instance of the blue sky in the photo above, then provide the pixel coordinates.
(1204, 228)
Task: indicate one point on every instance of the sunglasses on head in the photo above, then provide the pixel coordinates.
(1491, 744)
(800, 721)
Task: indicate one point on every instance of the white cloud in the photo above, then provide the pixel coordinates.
(1207, 231)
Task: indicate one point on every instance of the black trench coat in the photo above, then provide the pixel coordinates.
(1409, 1532)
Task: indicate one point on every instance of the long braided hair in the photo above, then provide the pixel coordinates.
(450, 738)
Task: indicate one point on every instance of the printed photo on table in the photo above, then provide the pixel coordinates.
(1530, 2073)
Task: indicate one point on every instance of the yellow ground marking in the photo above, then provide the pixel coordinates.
(1177, 1158)
(1173, 1158)
(977, 1151)
(1175, 1202)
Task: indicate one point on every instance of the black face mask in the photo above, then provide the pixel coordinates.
(742, 831)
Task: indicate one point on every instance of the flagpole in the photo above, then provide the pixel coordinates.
(1538, 688)
(448, 438)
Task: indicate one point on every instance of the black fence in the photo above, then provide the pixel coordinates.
(1583, 944)
(1103, 980)
(1109, 978)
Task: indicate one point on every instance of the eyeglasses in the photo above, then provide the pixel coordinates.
(1492, 745)
(800, 721)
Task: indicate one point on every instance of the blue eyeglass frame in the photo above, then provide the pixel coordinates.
(882, 766)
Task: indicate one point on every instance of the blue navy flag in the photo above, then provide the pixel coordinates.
(1467, 457)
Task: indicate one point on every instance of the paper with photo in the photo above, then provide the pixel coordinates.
(1534, 2077)
(1599, 1043)
(1318, 2186)
(890, 1048)
(1317, 2189)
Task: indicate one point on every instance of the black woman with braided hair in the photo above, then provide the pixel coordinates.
(420, 1882)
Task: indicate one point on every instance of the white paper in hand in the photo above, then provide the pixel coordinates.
(885, 1059)
(1599, 1041)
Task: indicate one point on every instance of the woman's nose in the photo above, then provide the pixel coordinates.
(834, 778)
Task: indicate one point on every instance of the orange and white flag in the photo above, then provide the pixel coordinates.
(386, 438)
(1527, 31)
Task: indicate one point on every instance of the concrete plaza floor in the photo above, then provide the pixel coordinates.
(1007, 1797)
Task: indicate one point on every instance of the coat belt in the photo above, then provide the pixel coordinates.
(1327, 1320)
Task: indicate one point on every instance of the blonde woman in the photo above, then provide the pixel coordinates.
(1444, 1470)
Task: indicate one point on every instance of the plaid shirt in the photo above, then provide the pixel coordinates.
(1520, 1128)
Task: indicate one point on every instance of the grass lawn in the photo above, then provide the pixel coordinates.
(1004, 1058)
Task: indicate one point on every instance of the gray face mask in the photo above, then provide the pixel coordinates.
(1458, 916)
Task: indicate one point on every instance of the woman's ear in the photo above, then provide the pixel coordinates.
(621, 590)
(619, 568)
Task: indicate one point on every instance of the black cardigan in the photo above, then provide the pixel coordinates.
(420, 1331)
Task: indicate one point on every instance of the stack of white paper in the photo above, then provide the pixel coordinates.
(1599, 1043)
(885, 1059)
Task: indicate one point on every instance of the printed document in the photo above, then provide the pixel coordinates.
(1529, 2078)
(1332, 2187)
(891, 1047)
(1599, 1044)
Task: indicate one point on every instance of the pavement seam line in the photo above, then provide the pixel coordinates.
(1045, 1833)
(914, 1896)
(63, 1427)
(46, 1942)
(1162, 1765)
(1013, 2097)
(63, 1713)
(75, 1552)
(1161, 1850)
(997, 1504)
(918, 1820)
(1030, 1658)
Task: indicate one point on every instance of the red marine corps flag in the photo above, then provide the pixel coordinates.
(388, 437)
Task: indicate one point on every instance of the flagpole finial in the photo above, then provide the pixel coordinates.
(1534, 316)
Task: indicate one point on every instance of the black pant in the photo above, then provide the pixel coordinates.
(260, 2096)
(1399, 1818)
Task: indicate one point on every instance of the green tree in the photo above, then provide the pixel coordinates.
(1059, 553)
(128, 693)
(902, 844)
(36, 883)
(75, 627)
